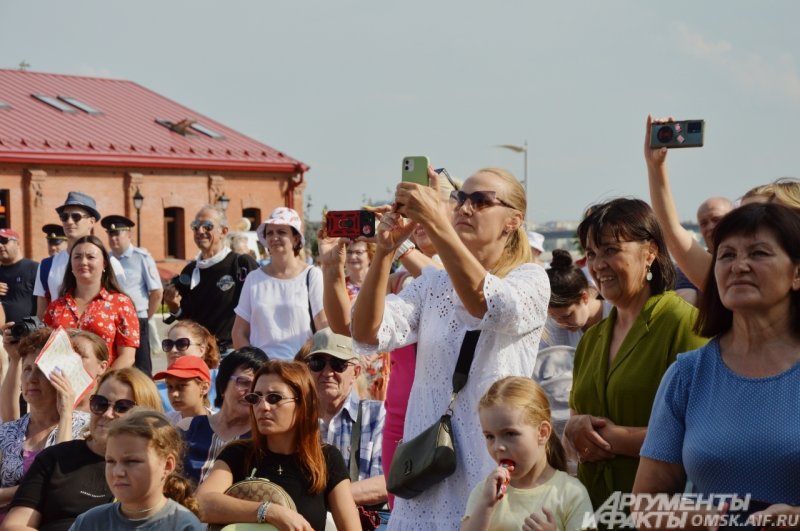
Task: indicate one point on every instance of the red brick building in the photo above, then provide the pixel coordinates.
(110, 138)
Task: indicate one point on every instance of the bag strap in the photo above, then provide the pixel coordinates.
(461, 372)
(355, 445)
(310, 312)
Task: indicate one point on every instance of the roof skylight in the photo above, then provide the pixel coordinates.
(80, 105)
(53, 102)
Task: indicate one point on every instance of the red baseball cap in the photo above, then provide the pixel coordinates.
(10, 234)
(186, 367)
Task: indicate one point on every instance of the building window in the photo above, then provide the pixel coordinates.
(254, 215)
(3, 209)
(174, 231)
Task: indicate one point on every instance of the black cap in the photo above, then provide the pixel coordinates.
(54, 232)
(116, 222)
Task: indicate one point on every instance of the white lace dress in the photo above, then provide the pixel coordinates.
(430, 313)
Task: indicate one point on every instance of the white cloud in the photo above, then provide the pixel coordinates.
(773, 76)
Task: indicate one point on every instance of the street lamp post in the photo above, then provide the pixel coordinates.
(524, 150)
(138, 199)
(223, 201)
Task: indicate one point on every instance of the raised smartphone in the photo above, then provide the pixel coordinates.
(678, 134)
(350, 223)
(415, 170)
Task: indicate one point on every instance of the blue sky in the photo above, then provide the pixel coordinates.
(350, 87)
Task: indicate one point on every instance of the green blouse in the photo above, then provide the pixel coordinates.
(624, 392)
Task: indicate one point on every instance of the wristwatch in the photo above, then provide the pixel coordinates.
(405, 247)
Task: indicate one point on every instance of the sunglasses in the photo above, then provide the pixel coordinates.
(98, 404)
(76, 217)
(478, 200)
(272, 399)
(207, 226)
(242, 382)
(317, 363)
(4, 240)
(181, 344)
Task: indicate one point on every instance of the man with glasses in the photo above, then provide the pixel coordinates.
(335, 367)
(17, 276)
(142, 282)
(78, 215)
(208, 288)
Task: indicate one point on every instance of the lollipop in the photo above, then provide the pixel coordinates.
(501, 489)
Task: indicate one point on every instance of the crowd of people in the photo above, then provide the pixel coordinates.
(653, 364)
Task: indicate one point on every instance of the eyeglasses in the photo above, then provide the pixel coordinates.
(478, 200)
(206, 225)
(272, 399)
(317, 363)
(181, 344)
(356, 252)
(242, 382)
(4, 240)
(76, 217)
(99, 404)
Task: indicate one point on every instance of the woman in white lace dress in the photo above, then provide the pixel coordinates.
(488, 284)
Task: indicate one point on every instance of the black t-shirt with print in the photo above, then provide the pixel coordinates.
(286, 472)
(212, 301)
(19, 302)
(64, 481)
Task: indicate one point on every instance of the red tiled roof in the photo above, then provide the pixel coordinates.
(125, 134)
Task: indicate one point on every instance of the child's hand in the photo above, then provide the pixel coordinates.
(540, 522)
(495, 481)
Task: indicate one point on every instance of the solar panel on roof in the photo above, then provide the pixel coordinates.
(53, 102)
(80, 105)
(4, 105)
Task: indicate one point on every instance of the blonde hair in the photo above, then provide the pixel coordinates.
(785, 191)
(166, 440)
(144, 391)
(516, 251)
(525, 394)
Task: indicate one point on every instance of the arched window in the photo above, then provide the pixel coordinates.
(254, 215)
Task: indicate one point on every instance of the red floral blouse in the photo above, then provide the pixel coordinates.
(111, 316)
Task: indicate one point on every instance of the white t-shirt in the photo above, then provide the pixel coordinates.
(277, 310)
(57, 270)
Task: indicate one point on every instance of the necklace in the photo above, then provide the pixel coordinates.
(143, 511)
(280, 470)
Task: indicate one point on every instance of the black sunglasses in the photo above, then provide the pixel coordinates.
(181, 344)
(271, 398)
(99, 404)
(317, 363)
(478, 200)
(4, 240)
(76, 217)
(207, 226)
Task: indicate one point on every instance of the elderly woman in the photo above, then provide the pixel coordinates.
(725, 415)
(487, 284)
(280, 307)
(92, 300)
(68, 479)
(620, 361)
(50, 419)
(286, 449)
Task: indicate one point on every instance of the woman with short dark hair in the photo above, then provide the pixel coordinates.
(620, 361)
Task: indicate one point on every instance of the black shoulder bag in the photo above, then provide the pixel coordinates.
(430, 457)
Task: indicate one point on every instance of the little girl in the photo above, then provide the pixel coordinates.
(188, 383)
(143, 454)
(529, 490)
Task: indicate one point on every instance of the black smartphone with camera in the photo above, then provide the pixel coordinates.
(678, 134)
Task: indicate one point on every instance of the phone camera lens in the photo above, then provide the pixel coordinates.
(664, 134)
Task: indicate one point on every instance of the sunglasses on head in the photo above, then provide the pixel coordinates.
(206, 225)
(317, 363)
(181, 344)
(272, 399)
(4, 240)
(99, 404)
(242, 382)
(479, 200)
(76, 217)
